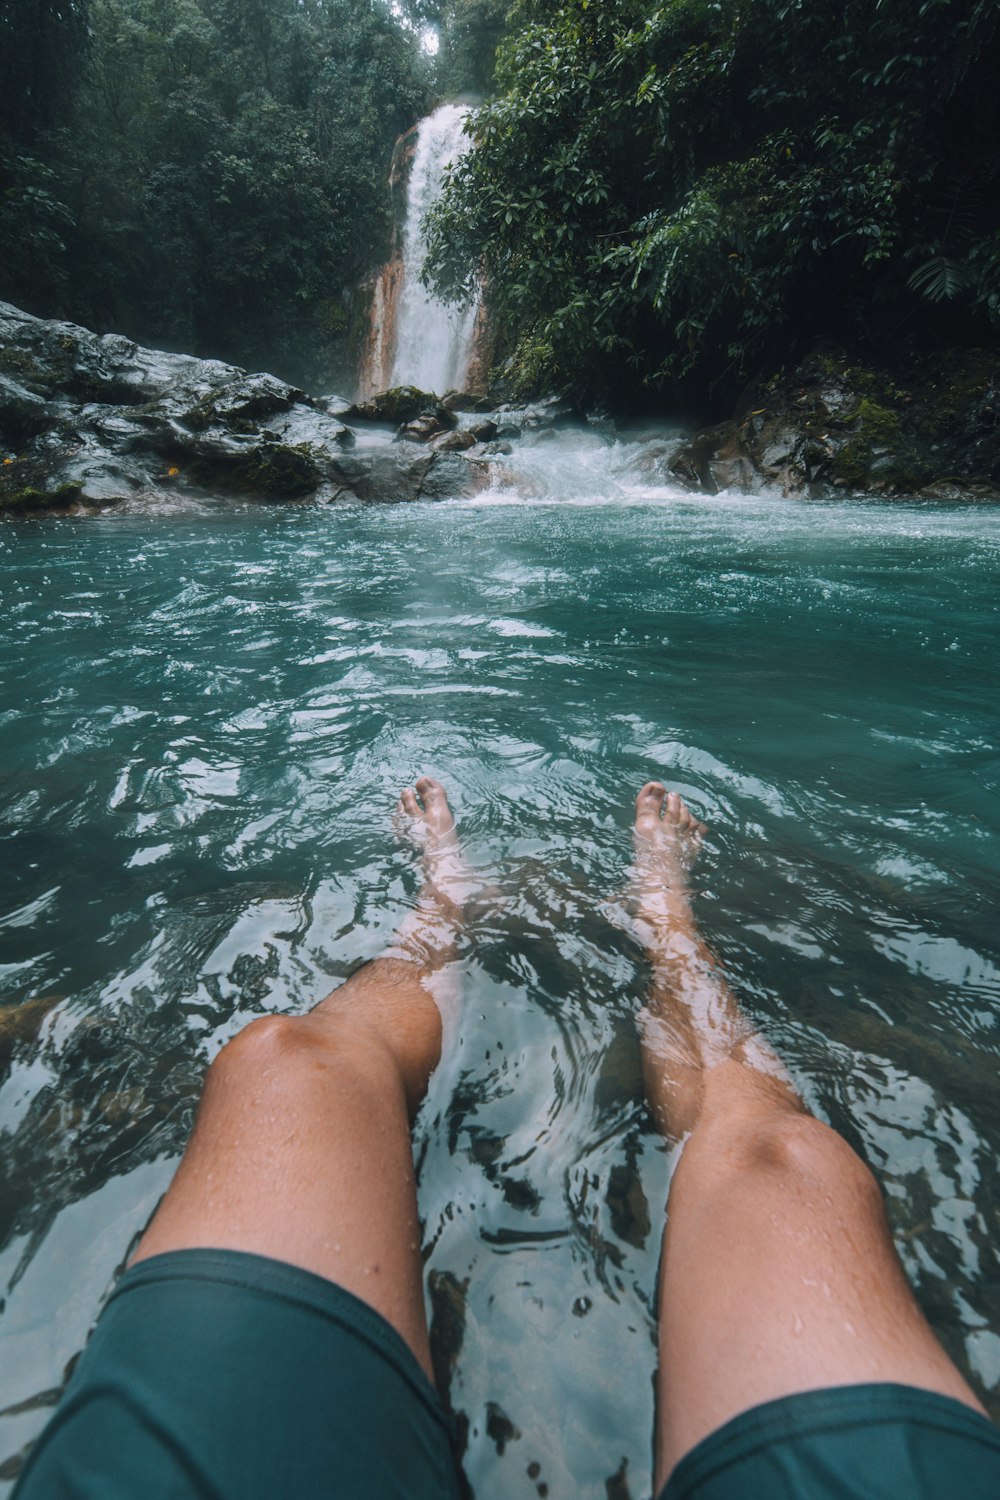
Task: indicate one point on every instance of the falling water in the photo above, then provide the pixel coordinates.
(433, 339)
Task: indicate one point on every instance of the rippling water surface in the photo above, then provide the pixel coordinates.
(205, 719)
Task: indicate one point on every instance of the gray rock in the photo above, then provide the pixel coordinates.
(553, 412)
(454, 442)
(89, 421)
(399, 406)
(389, 475)
(421, 429)
(834, 426)
(463, 401)
(23, 413)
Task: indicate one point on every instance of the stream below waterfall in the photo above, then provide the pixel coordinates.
(205, 718)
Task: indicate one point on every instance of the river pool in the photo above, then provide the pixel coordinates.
(205, 717)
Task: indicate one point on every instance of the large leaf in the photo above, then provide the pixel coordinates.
(941, 279)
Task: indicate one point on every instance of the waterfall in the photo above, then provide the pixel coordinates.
(414, 338)
(433, 339)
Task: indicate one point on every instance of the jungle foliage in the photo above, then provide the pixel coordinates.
(205, 174)
(675, 196)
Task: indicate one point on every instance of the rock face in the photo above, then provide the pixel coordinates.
(89, 421)
(929, 427)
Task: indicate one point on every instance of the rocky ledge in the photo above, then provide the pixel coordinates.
(925, 426)
(89, 421)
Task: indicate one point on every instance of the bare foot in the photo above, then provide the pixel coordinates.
(667, 838)
(431, 821)
(424, 816)
(666, 831)
(692, 1021)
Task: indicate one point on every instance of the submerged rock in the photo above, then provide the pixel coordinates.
(89, 421)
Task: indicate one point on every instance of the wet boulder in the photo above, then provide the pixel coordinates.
(459, 441)
(512, 421)
(62, 362)
(88, 422)
(23, 412)
(242, 404)
(834, 426)
(421, 429)
(400, 407)
(393, 474)
(464, 401)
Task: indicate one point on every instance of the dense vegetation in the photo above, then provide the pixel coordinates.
(675, 195)
(665, 196)
(206, 174)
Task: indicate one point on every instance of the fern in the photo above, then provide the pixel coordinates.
(941, 279)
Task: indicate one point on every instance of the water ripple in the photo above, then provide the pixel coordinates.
(205, 721)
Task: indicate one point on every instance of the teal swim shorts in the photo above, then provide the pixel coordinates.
(214, 1375)
(854, 1442)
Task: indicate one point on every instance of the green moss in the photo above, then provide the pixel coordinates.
(878, 426)
(285, 471)
(31, 498)
(875, 456)
(276, 470)
(333, 317)
(851, 465)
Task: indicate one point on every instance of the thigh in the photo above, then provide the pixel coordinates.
(779, 1275)
(302, 1152)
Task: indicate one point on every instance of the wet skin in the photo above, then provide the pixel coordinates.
(779, 1272)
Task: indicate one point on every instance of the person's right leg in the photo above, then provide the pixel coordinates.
(778, 1272)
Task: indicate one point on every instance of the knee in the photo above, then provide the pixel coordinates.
(269, 1049)
(808, 1156)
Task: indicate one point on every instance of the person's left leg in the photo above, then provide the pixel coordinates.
(301, 1150)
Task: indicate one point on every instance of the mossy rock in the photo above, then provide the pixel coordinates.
(273, 470)
(878, 455)
(401, 404)
(27, 498)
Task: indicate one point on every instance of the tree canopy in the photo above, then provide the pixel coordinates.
(670, 195)
(663, 196)
(208, 174)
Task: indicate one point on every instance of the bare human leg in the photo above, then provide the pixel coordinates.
(778, 1271)
(301, 1150)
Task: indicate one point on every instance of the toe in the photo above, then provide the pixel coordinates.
(649, 802)
(432, 794)
(408, 802)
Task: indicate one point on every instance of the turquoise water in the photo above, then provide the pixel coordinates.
(205, 719)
